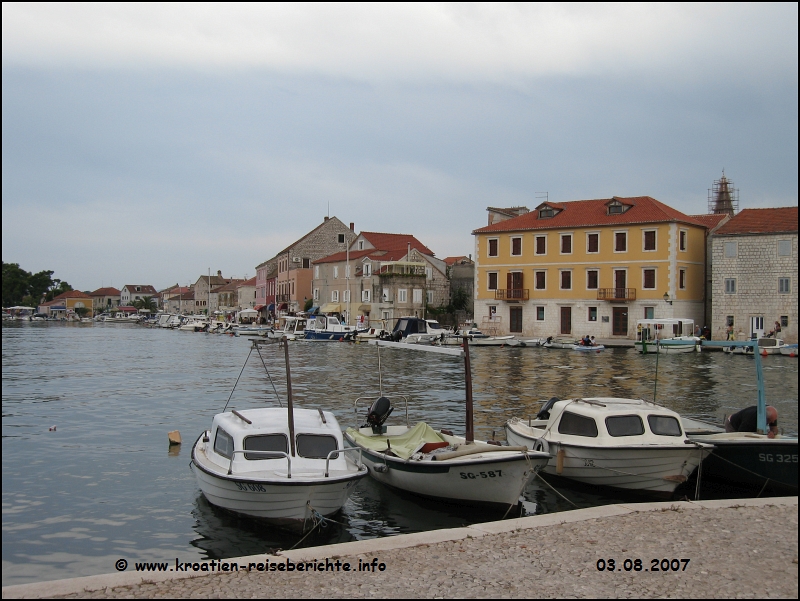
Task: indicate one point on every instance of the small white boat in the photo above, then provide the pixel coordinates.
(329, 329)
(290, 327)
(589, 348)
(789, 350)
(478, 338)
(620, 443)
(415, 330)
(666, 336)
(560, 342)
(766, 346)
(438, 464)
(194, 324)
(284, 465)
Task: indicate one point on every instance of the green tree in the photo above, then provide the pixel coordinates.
(15, 284)
(57, 287)
(146, 302)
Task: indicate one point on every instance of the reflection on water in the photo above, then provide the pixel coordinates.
(106, 485)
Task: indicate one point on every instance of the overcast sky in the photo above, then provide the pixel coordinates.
(148, 144)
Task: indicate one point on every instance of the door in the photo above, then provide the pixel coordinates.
(620, 283)
(566, 320)
(514, 281)
(516, 319)
(757, 327)
(620, 321)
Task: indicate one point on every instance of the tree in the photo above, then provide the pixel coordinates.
(15, 284)
(57, 287)
(146, 302)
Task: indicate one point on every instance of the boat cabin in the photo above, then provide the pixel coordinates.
(648, 330)
(254, 440)
(416, 327)
(610, 422)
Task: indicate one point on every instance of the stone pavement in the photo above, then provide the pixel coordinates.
(734, 548)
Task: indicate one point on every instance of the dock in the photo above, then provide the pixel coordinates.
(687, 549)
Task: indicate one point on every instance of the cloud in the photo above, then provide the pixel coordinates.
(380, 42)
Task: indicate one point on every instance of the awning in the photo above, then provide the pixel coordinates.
(283, 306)
(331, 308)
(271, 307)
(248, 312)
(259, 307)
(365, 308)
(313, 310)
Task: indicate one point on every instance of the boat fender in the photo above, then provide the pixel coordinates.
(446, 432)
(381, 469)
(494, 442)
(541, 445)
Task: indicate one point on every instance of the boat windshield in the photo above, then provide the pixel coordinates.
(266, 442)
(625, 425)
(316, 446)
(664, 425)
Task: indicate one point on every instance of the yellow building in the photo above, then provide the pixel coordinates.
(588, 267)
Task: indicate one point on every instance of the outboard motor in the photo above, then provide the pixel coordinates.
(380, 410)
(544, 413)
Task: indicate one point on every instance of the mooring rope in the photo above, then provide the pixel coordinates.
(538, 475)
(258, 350)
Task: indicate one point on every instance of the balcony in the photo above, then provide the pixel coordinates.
(512, 294)
(283, 298)
(616, 294)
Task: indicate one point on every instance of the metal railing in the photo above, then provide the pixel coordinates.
(279, 454)
(512, 294)
(616, 294)
(336, 452)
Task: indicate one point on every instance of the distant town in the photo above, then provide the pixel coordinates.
(564, 268)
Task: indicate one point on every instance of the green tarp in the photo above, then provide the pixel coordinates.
(403, 445)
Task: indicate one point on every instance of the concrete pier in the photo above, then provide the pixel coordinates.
(707, 549)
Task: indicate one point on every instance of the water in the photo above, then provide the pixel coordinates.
(105, 485)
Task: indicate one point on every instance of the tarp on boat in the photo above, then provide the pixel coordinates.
(403, 445)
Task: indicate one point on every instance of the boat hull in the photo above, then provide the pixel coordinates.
(287, 502)
(650, 469)
(326, 336)
(665, 348)
(489, 482)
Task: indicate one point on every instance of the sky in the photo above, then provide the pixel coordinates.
(151, 143)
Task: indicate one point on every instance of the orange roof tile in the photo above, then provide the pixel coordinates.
(105, 292)
(589, 213)
(71, 294)
(388, 247)
(762, 221)
(710, 220)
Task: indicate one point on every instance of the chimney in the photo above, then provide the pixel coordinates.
(219, 272)
(326, 218)
(352, 226)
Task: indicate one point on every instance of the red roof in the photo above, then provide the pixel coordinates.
(143, 288)
(105, 292)
(71, 294)
(589, 213)
(710, 220)
(449, 261)
(388, 247)
(762, 221)
(250, 282)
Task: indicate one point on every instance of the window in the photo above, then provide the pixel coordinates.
(360, 245)
(592, 279)
(367, 269)
(625, 425)
(384, 315)
(620, 242)
(539, 313)
(335, 272)
(493, 247)
(316, 294)
(566, 280)
(592, 313)
(316, 272)
(577, 425)
(306, 263)
(730, 250)
(784, 321)
(784, 248)
(335, 296)
(664, 425)
(346, 296)
(649, 312)
(417, 296)
(347, 271)
(540, 280)
(340, 238)
(592, 243)
(316, 446)
(402, 295)
(784, 285)
(730, 285)
(546, 213)
(492, 280)
(223, 444)
(429, 295)
(648, 279)
(541, 245)
(682, 279)
(276, 443)
(615, 208)
(649, 240)
(516, 247)
(682, 239)
(385, 296)
(566, 244)
(365, 296)
(729, 320)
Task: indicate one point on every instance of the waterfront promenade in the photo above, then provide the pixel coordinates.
(734, 548)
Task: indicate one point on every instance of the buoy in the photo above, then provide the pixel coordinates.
(764, 353)
(174, 437)
(52, 428)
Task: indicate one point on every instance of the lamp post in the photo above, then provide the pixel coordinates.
(667, 299)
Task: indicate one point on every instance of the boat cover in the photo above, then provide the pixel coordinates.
(403, 445)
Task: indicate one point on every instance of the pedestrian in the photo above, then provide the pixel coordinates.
(746, 421)
(777, 330)
(729, 334)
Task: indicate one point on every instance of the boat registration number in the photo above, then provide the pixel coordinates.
(770, 458)
(247, 486)
(475, 476)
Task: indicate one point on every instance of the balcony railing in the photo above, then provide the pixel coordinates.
(283, 298)
(616, 294)
(512, 294)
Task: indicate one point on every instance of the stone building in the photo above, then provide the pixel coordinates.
(105, 298)
(131, 293)
(754, 281)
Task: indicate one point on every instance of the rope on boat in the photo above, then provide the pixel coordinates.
(524, 484)
(537, 474)
(766, 478)
(258, 350)
(237, 380)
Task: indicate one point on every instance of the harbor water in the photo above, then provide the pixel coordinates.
(89, 478)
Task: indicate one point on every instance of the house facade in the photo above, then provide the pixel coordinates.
(205, 301)
(589, 267)
(755, 274)
(379, 278)
(64, 305)
(133, 292)
(104, 299)
(246, 294)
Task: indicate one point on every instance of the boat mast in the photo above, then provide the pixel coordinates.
(289, 398)
(470, 435)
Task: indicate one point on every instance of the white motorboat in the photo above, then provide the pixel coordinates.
(766, 346)
(588, 348)
(415, 330)
(620, 443)
(194, 324)
(328, 328)
(666, 336)
(566, 342)
(478, 338)
(284, 465)
(439, 464)
(789, 350)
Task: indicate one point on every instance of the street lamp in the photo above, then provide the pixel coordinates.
(666, 298)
